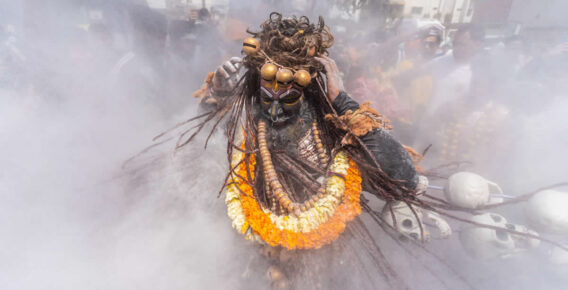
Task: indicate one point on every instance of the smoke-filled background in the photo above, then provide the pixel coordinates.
(85, 85)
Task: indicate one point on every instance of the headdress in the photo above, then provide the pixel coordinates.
(284, 49)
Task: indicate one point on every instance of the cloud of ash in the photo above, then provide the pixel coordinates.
(74, 216)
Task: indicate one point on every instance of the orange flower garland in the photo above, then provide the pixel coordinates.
(261, 224)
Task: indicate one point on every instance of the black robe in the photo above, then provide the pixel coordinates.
(389, 153)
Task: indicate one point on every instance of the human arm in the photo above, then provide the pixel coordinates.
(221, 83)
(391, 156)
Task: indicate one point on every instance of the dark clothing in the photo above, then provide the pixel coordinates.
(344, 103)
(389, 153)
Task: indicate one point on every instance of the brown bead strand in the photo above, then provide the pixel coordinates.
(272, 178)
(278, 195)
(319, 145)
(275, 206)
(269, 193)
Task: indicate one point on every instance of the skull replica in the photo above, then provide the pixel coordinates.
(486, 243)
(410, 224)
(523, 242)
(469, 190)
(547, 211)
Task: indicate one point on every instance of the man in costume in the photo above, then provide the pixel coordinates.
(301, 149)
(301, 152)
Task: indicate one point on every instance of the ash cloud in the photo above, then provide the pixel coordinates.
(85, 85)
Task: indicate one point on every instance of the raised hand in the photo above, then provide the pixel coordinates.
(227, 75)
(334, 81)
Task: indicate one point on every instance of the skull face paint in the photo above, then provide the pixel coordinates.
(280, 105)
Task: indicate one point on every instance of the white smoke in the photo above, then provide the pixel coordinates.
(71, 217)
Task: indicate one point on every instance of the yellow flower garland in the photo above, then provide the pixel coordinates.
(313, 228)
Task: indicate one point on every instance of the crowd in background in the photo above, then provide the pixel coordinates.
(448, 91)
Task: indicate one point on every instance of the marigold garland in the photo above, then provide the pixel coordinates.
(313, 229)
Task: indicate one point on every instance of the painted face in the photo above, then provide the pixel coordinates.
(280, 104)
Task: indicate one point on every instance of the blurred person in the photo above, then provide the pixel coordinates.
(372, 84)
(467, 121)
(140, 71)
(182, 42)
(217, 15)
(182, 65)
(467, 42)
(102, 45)
(424, 41)
(209, 45)
(452, 74)
(391, 72)
(204, 16)
(367, 81)
(414, 84)
(431, 43)
(483, 123)
(452, 71)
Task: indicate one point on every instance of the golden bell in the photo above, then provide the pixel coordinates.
(251, 46)
(284, 76)
(302, 78)
(268, 71)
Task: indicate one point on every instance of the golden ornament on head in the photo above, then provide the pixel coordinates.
(302, 78)
(251, 46)
(268, 71)
(284, 76)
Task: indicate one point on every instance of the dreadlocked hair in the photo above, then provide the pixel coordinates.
(291, 42)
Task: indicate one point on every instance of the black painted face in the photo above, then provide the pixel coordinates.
(280, 105)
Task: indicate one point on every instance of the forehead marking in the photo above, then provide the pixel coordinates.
(276, 95)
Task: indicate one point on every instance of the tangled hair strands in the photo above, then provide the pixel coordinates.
(289, 41)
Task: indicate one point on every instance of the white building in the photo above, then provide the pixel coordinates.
(447, 11)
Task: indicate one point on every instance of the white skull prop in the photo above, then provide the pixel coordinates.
(405, 221)
(440, 223)
(409, 224)
(547, 211)
(486, 243)
(469, 190)
(523, 242)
